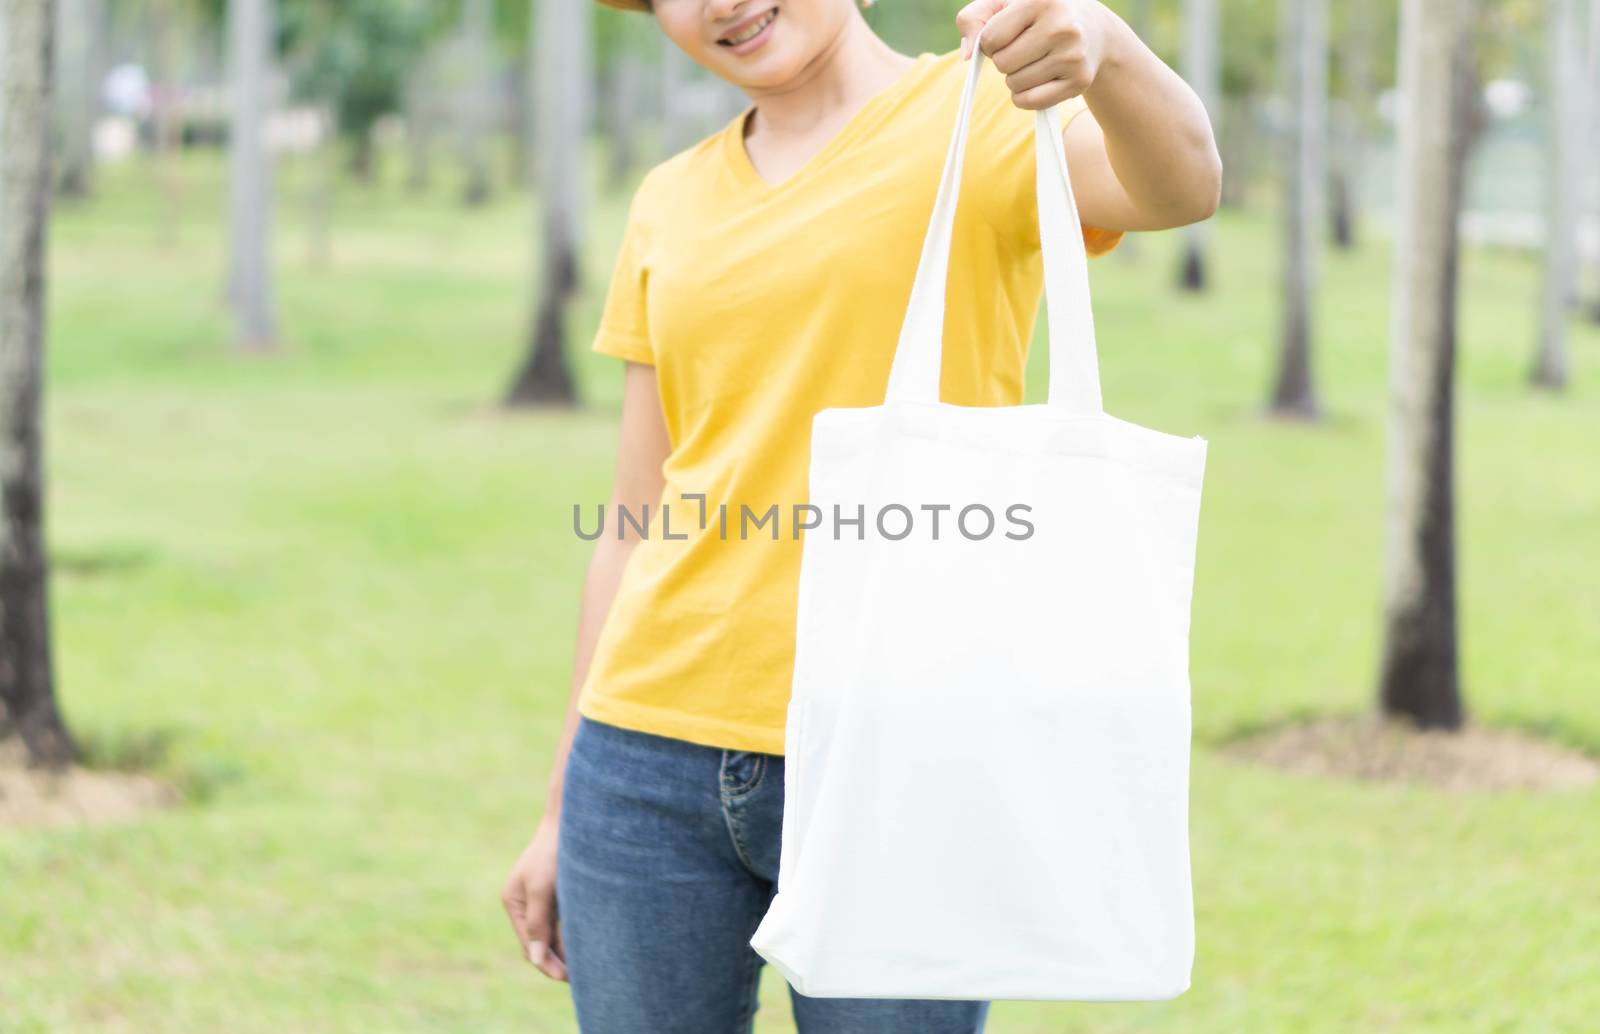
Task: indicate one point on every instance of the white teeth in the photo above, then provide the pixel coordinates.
(754, 30)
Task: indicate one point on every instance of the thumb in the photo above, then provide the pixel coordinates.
(542, 936)
(971, 19)
(548, 961)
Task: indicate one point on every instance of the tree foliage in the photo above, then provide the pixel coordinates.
(355, 55)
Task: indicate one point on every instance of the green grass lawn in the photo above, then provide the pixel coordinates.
(334, 591)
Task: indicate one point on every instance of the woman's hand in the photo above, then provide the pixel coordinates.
(1142, 156)
(1049, 50)
(530, 900)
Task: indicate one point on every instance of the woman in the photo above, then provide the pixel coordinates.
(763, 276)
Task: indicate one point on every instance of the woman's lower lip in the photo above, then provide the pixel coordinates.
(758, 40)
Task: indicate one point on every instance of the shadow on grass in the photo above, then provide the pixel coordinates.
(101, 561)
(152, 752)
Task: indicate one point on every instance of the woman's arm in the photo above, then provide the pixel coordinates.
(1143, 157)
(529, 892)
(641, 450)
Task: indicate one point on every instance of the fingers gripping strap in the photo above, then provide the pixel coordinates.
(1074, 365)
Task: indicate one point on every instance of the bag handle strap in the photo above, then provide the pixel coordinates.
(1074, 363)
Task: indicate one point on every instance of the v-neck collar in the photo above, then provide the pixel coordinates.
(744, 170)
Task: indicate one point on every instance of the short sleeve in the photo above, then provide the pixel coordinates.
(624, 331)
(1000, 154)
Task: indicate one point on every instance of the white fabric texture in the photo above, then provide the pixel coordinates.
(988, 740)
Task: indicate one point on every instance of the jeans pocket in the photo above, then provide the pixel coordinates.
(742, 771)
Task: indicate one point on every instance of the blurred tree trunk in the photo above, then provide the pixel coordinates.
(533, 168)
(421, 84)
(677, 128)
(28, 711)
(1350, 123)
(622, 115)
(1594, 142)
(319, 187)
(1564, 138)
(363, 157)
(477, 98)
(165, 15)
(1201, 69)
(1437, 98)
(1303, 69)
(1341, 176)
(560, 52)
(521, 152)
(80, 59)
(250, 177)
(1238, 137)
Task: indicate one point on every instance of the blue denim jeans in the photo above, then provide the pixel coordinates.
(668, 858)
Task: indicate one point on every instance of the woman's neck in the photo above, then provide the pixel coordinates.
(855, 65)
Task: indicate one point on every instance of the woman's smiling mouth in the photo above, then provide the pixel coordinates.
(750, 34)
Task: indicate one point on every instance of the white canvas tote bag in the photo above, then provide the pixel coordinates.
(988, 740)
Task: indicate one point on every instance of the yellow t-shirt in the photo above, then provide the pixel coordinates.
(759, 305)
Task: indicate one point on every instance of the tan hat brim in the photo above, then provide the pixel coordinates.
(626, 5)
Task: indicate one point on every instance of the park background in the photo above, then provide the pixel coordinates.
(318, 401)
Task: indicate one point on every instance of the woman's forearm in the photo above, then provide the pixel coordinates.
(1158, 137)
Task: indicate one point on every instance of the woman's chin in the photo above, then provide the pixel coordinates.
(771, 68)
